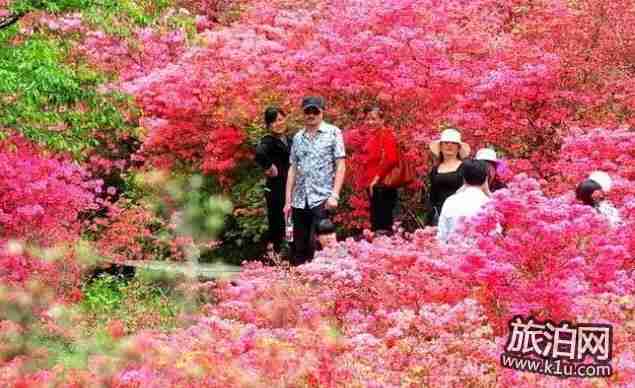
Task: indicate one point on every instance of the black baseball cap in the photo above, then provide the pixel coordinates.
(325, 226)
(313, 102)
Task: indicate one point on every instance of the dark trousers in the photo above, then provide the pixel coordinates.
(305, 222)
(275, 216)
(382, 204)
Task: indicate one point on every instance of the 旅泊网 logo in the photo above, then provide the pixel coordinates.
(558, 350)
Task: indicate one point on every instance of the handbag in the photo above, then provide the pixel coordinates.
(402, 174)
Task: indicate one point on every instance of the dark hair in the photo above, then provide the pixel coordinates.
(325, 226)
(584, 191)
(437, 160)
(491, 166)
(373, 107)
(474, 172)
(271, 115)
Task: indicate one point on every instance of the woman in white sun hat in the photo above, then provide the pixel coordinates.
(445, 176)
(489, 155)
(592, 192)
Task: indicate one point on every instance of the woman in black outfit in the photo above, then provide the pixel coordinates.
(272, 154)
(446, 176)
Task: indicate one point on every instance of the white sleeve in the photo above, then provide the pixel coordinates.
(444, 227)
(610, 212)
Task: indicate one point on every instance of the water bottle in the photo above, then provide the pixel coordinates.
(289, 229)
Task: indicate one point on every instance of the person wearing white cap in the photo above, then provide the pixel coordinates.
(489, 155)
(445, 176)
(603, 179)
(592, 191)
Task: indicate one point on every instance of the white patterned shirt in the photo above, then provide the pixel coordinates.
(610, 212)
(314, 159)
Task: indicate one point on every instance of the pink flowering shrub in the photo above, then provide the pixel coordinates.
(146, 51)
(548, 252)
(408, 310)
(210, 13)
(42, 197)
(584, 151)
(400, 311)
(132, 232)
(225, 74)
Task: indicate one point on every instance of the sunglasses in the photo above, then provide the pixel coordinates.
(312, 111)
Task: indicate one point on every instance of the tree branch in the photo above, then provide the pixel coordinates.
(9, 20)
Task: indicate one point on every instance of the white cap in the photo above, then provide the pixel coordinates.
(603, 179)
(451, 136)
(487, 154)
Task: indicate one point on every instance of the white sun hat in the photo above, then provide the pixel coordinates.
(487, 154)
(450, 136)
(603, 179)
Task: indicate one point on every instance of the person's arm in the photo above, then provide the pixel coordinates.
(262, 155)
(340, 173)
(340, 167)
(390, 154)
(443, 228)
(263, 150)
(289, 189)
(431, 198)
(293, 161)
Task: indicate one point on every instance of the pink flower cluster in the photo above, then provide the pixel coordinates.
(41, 196)
(42, 199)
(606, 149)
(148, 50)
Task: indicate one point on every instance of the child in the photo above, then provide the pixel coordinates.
(326, 233)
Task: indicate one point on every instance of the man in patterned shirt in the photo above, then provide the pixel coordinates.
(315, 177)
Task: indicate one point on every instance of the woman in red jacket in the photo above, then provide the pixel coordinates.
(381, 157)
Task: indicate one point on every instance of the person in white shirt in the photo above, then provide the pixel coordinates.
(592, 191)
(467, 202)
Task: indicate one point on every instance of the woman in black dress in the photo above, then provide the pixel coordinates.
(272, 154)
(445, 177)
